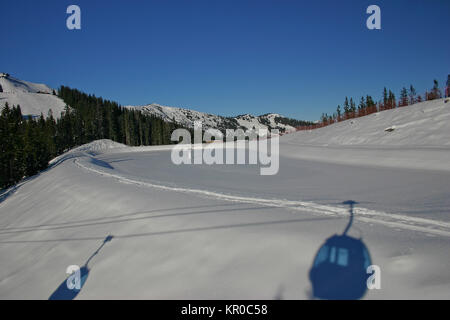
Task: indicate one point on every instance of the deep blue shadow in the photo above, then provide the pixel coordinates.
(63, 292)
(339, 270)
(101, 163)
(6, 194)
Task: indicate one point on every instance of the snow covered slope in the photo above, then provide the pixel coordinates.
(224, 232)
(187, 117)
(13, 85)
(266, 121)
(413, 137)
(147, 228)
(422, 124)
(33, 98)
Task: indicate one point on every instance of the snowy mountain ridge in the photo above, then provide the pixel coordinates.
(187, 117)
(36, 98)
(33, 98)
(12, 85)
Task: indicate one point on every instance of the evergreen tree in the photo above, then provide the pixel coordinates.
(385, 98)
(435, 92)
(362, 107)
(391, 100)
(352, 108)
(346, 108)
(403, 97)
(412, 95)
(370, 105)
(11, 146)
(447, 88)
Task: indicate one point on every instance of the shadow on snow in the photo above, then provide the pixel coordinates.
(63, 292)
(339, 270)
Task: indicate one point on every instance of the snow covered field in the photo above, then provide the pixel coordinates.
(224, 231)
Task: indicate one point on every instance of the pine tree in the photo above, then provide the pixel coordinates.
(362, 107)
(370, 105)
(352, 108)
(346, 108)
(435, 91)
(403, 97)
(11, 146)
(412, 95)
(447, 88)
(385, 99)
(391, 100)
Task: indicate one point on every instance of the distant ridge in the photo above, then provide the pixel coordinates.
(187, 117)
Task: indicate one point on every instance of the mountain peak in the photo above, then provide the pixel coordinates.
(12, 85)
(33, 98)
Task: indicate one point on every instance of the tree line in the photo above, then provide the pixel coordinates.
(27, 144)
(367, 105)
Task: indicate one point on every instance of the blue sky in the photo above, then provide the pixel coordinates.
(227, 57)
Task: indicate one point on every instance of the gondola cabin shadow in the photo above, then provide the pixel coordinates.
(339, 270)
(63, 292)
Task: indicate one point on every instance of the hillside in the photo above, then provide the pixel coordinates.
(412, 137)
(202, 232)
(422, 124)
(144, 227)
(187, 117)
(33, 98)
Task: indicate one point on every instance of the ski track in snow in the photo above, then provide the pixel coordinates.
(428, 226)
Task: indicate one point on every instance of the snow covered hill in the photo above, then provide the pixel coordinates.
(265, 121)
(187, 117)
(146, 228)
(13, 85)
(33, 98)
(422, 124)
(413, 137)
